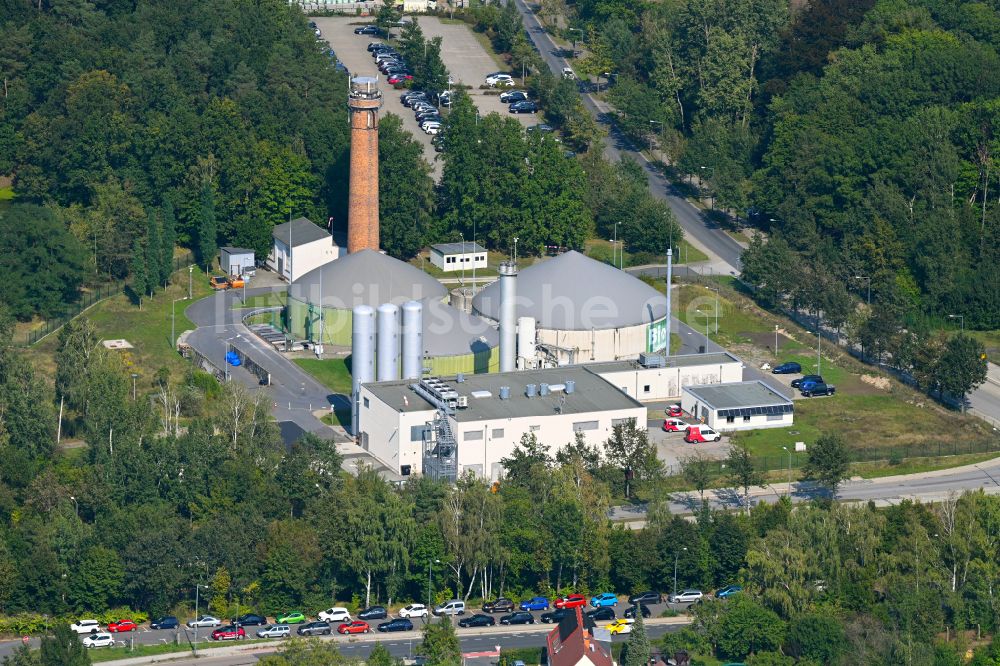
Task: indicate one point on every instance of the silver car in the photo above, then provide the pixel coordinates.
(274, 631)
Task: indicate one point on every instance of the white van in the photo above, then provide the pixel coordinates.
(453, 607)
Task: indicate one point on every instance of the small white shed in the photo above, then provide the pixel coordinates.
(236, 260)
(458, 256)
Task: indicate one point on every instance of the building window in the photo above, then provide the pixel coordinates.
(497, 433)
(417, 433)
(472, 435)
(746, 419)
(775, 417)
(645, 389)
(534, 428)
(587, 425)
(366, 403)
(730, 419)
(621, 422)
(404, 470)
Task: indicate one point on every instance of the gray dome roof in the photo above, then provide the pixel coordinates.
(366, 278)
(576, 293)
(449, 331)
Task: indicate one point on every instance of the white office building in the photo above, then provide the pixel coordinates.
(738, 406)
(654, 378)
(451, 257)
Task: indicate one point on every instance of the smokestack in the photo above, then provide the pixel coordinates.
(387, 344)
(362, 355)
(670, 275)
(413, 339)
(363, 104)
(508, 316)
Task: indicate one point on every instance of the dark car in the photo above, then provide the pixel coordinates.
(314, 629)
(526, 106)
(250, 620)
(399, 624)
(602, 614)
(477, 620)
(366, 30)
(409, 98)
(818, 389)
(812, 379)
(646, 598)
(520, 617)
(501, 605)
(377, 46)
(553, 617)
(166, 622)
(644, 609)
(373, 613)
(428, 115)
(790, 368)
(512, 96)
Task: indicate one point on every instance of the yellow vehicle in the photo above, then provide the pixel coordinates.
(236, 282)
(620, 626)
(219, 282)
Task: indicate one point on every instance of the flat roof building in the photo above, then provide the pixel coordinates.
(458, 256)
(653, 377)
(738, 406)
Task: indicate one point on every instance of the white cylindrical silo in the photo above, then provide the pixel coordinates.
(413, 339)
(526, 340)
(508, 316)
(362, 354)
(387, 344)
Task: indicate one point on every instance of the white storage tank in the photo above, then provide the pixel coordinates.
(387, 344)
(413, 345)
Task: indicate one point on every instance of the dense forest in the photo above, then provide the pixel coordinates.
(863, 134)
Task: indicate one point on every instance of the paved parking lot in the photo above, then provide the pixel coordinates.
(466, 60)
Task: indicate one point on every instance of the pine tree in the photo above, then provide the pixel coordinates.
(637, 650)
(140, 276)
(207, 230)
(154, 257)
(167, 240)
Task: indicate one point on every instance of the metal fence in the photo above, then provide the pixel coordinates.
(87, 300)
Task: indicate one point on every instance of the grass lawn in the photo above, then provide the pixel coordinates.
(341, 417)
(333, 373)
(148, 329)
(262, 301)
(990, 340)
(6, 193)
(151, 650)
(487, 45)
(602, 250)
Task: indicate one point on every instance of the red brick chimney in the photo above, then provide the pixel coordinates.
(362, 207)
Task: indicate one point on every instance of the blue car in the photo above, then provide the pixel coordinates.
(535, 604)
(604, 599)
(787, 369)
(807, 384)
(728, 591)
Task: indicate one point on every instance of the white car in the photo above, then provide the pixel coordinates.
(274, 631)
(686, 597)
(413, 610)
(204, 621)
(336, 614)
(101, 639)
(431, 127)
(567, 73)
(86, 626)
(498, 79)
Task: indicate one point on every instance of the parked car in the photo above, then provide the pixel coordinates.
(204, 621)
(686, 597)
(377, 46)
(366, 30)
(554, 617)
(274, 631)
(122, 625)
(674, 410)
(797, 383)
(604, 599)
(643, 610)
(511, 96)
(789, 368)
(294, 617)
(410, 98)
(646, 598)
(99, 639)
(336, 614)
(453, 607)
(374, 613)
(431, 127)
(728, 591)
(701, 433)
(621, 626)
(314, 629)
(398, 78)
(250, 620)
(477, 620)
(674, 424)
(818, 389)
(501, 80)
(602, 614)
(535, 604)
(354, 627)
(431, 115)
(230, 632)
(526, 106)
(399, 624)
(519, 617)
(501, 605)
(413, 610)
(541, 127)
(444, 99)
(86, 626)
(570, 601)
(165, 622)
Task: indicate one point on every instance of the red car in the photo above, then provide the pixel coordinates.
(571, 601)
(399, 78)
(230, 633)
(355, 627)
(674, 424)
(122, 625)
(674, 410)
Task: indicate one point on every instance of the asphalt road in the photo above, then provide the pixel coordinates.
(616, 146)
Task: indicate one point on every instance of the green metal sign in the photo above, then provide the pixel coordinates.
(656, 336)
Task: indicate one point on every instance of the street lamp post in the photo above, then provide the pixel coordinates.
(190, 279)
(866, 277)
(702, 312)
(711, 193)
(961, 319)
(660, 123)
(134, 377)
(76, 506)
(429, 572)
(677, 555)
(574, 39)
(716, 290)
(789, 452)
(776, 341)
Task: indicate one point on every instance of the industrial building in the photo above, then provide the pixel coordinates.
(298, 247)
(465, 256)
(654, 377)
(738, 406)
(580, 310)
(444, 428)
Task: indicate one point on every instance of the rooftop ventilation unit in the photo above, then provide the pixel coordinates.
(505, 393)
(570, 386)
(438, 393)
(648, 360)
(463, 401)
(481, 394)
(529, 391)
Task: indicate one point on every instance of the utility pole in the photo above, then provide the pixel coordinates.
(190, 279)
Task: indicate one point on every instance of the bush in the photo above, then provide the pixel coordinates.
(528, 655)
